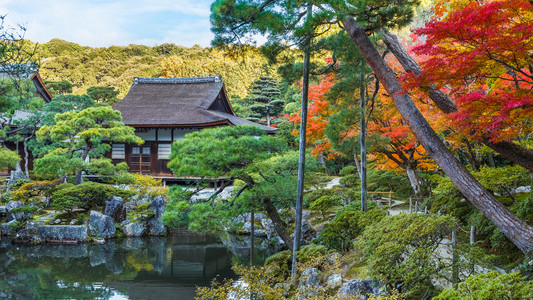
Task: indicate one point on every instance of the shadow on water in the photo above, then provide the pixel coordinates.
(131, 268)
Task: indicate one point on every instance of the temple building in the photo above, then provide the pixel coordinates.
(163, 110)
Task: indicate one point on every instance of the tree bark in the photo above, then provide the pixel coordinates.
(515, 229)
(278, 223)
(513, 152)
(413, 179)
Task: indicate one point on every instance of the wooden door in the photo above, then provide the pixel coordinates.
(141, 159)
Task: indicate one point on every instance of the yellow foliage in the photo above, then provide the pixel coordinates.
(147, 185)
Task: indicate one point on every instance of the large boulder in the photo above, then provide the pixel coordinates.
(27, 236)
(134, 229)
(361, 288)
(101, 225)
(158, 206)
(155, 224)
(16, 175)
(114, 209)
(63, 233)
(12, 215)
(156, 227)
(8, 229)
(309, 286)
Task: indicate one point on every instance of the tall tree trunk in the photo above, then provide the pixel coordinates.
(26, 156)
(301, 158)
(357, 165)
(279, 225)
(362, 122)
(513, 152)
(413, 179)
(515, 229)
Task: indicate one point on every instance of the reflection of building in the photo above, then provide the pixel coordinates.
(163, 110)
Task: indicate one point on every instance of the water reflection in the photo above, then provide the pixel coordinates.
(132, 268)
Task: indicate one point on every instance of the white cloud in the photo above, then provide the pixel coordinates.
(119, 22)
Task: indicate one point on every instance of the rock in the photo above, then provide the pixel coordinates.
(308, 233)
(73, 222)
(34, 224)
(8, 228)
(101, 225)
(522, 189)
(10, 206)
(27, 236)
(155, 224)
(63, 233)
(362, 289)
(309, 285)
(334, 280)
(16, 175)
(156, 227)
(134, 229)
(310, 277)
(114, 209)
(127, 207)
(158, 206)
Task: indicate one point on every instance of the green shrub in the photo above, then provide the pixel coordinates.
(279, 265)
(141, 212)
(324, 203)
(90, 194)
(348, 170)
(489, 286)
(18, 183)
(348, 224)
(401, 251)
(176, 214)
(310, 252)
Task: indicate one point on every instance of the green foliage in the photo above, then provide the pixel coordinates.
(64, 103)
(348, 170)
(78, 135)
(103, 94)
(348, 224)
(8, 159)
(492, 285)
(90, 194)
(401, 251)
(141, 212)
(59, 87)
(384, 181)
(264, 102)
(324, 203)
(176, 214)
(66, 203)
(236, 148)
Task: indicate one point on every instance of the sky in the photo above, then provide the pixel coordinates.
(103, 23)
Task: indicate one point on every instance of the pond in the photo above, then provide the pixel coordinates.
(131, 268)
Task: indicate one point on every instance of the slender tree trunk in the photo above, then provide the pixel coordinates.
(279, 225)
(301, 158)
(268, 117)
(26, 156)
(513, 152)
(321, 161)
(357, 165)
(515, 229)
(83, 158)
(363, 140)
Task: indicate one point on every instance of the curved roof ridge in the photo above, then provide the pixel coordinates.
(205, 79)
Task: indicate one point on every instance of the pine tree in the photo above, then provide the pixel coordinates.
(263, 96)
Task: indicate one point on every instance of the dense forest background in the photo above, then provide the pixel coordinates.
(116, 66)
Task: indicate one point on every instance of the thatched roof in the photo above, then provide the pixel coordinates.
(179, 102)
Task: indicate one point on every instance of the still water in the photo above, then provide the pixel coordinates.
(131, 268)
